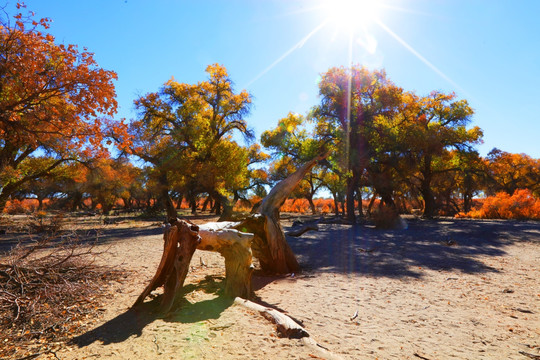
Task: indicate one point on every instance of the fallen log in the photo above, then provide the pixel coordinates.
(180, 241)
(287, 327)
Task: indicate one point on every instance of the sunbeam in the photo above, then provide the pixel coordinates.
(352, 13)
(353, 18)
(298, 45)
(418, 55)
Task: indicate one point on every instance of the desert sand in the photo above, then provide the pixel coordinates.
(440, 289)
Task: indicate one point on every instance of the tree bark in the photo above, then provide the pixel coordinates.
(360, 205)
(193, 204)
(351, 186)
(180, 242)
(227, 206)
(206, 202)
(336, 204)
(270, 245)
(425, 189)
(165, 197)
(235, 247)
(311, 204)
(286, 326)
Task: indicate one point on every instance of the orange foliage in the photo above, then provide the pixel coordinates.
(63, 116)
(25, 206)
(183, 205)
(301, 206)
(521, 205)
(324, 206)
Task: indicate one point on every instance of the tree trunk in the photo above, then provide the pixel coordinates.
(351, 186)
(311, 204)
(206, 202)
(357, 162)
(76, 200)
(466, 202)
(429, 201)
(193, 204)
(270, 245)
(467, 193)
(127, 203)
(106, 208)
(336, 204)
(371, 202)
(227, 206)
(360, 205)
(425, 189)
(235, 247)
(217, 207)
(180, 242)
(165, 197)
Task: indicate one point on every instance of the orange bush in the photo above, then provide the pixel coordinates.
(243, 206)
(521, 205)
(184, 204)
(324, 206)
(25, 206)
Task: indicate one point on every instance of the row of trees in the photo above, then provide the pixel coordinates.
(56, 120)
(407, 150)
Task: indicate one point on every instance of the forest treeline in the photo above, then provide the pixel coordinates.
(387, 148)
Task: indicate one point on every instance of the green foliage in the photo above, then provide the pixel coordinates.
(185, 132)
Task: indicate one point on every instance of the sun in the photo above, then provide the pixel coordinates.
(352, 14)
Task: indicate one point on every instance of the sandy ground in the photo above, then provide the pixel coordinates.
(442, 289)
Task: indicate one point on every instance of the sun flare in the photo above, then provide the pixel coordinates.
(351, 14)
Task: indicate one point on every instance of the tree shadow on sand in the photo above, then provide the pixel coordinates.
(444, 244)
(95, 236)
(133, 321)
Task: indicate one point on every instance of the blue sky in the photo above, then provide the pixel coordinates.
(488, 52)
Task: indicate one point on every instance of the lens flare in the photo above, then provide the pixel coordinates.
(352, 14)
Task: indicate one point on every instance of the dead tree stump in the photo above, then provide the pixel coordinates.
(180, 242)
(235, 247)
(269, 244)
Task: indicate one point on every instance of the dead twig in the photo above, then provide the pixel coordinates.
(420, 356)
(532, 356)
(48, 289)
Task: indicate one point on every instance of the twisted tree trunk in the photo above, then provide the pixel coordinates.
(180, 242)
(269, 244)
(235, 247)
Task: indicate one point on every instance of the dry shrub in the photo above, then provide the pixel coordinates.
(324, 206)
(244, 205)
(300, 206)
(15, 207)
(40, 222)
(48, 291)
(521, 205)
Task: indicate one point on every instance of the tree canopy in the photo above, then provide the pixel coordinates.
(185, 131)
(54, 99)
(57, 108)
